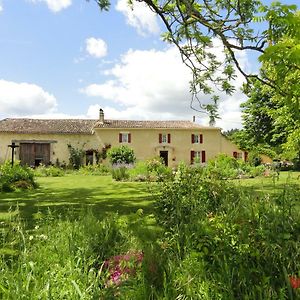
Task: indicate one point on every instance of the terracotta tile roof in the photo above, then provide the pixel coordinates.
(150, 124)
(61, 126)
(85, 126)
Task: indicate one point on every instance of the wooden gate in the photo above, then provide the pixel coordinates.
(33, 154)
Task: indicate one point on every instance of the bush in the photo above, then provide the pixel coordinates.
(226, 167)
(98, 169)
(120, 172)
(48, 171)
(254, 158)
(12, 177)
(121, 155)
(76, 157)
(223, 243)
(157, 170)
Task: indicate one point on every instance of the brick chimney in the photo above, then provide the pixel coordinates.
(101, 116)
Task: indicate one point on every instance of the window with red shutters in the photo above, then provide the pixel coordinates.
(125, 137)
(169, 138)
(193, 138)
(201, 138)
(160, 138)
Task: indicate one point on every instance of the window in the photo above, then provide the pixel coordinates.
(197, 138)
(198, 157)
(237, 155)
(125, 137)
(164, 138)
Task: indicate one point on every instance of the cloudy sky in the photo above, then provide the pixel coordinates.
(65, 58)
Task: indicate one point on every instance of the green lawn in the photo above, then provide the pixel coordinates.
(75, 192)
(271, 185)
(103, 195)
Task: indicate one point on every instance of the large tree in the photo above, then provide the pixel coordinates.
(193, 26)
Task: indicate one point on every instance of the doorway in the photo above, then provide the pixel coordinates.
(164, 155)
(89, 157)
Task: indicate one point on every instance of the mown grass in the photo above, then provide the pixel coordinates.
(75, 192)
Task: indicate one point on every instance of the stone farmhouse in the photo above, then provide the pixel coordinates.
(48, 141)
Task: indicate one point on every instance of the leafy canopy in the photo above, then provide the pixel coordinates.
(196, 26)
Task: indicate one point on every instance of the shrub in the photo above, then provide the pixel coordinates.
(120, 172)
(98, 169)
(122, 154)
(226, 167)
(11, 175)
(76, 157)
(254, 158)
(157, 170)
(48, 171)
(223, 243)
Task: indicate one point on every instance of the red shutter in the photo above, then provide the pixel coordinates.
(203, 158)
(160, 138)
(193, 138)
(192, 157)
(129, 137)
(201, 138)
(235, 154)
(246, 156)
(120, 137)
(169, 138)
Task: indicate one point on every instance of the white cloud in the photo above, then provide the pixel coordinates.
(55, 5)
(96, 47)
(20, 99)
(139, 16)
(155, 85)
(1, 7)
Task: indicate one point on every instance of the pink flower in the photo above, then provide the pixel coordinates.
(120, 267)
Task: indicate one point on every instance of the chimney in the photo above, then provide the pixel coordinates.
(101, 116)
(194, 119)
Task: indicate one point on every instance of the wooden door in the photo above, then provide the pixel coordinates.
(33, 154)
(27, 154)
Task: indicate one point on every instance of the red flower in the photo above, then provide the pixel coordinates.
(295, 282)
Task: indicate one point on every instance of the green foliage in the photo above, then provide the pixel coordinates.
(226, 167)
(61, 259)
(98, 169)
(194, 26)
(157, 170)
(76, 157)
(122, 154)
(223, 243)
(48, 171)
(139, 172)
(15, 177)
(120, 172)
(254, 158)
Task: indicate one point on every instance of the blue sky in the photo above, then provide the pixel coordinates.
(64, 58)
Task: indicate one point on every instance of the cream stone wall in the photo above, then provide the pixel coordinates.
(58, 148)
(145, 143)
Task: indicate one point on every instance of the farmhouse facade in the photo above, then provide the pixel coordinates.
(49, 141)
